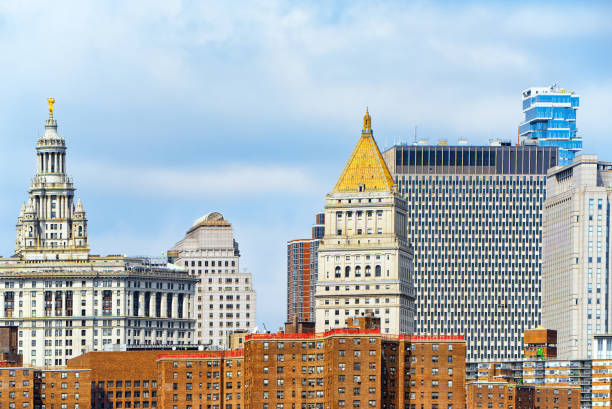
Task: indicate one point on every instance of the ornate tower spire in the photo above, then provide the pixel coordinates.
(49, 227)
(367, 122)
(366, 169)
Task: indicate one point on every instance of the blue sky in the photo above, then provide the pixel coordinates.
(172, 109)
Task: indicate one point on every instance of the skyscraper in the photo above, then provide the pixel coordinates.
(66, 301)
(576, 285)
(365, 261)
(474, 216)
(550, 120)
(302, 273)
(225, 299)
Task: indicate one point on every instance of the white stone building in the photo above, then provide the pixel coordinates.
(225, 299)
(576, 285)
(66, 301)
(365, 262)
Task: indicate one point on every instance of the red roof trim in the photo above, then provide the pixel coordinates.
(355, 331)
(203, 355)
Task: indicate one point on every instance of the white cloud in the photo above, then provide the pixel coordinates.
(227, 180)
(270, 65)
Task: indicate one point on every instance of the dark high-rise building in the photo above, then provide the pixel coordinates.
(475, 221)
(302, 270)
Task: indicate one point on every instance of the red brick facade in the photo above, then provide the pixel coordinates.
(37, 388)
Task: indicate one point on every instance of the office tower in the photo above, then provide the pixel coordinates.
(550, 120)
(365, 262)
(474, 220)
(225, 300)
(66, 301)
(302, 263)
(576, 287)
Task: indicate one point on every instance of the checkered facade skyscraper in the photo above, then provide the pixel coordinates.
(474, 220)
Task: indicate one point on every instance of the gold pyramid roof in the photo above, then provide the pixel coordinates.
(366, 169)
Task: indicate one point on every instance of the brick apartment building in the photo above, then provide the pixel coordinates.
(203, 379)
(24, 387)
(8, 347)
(504, 395)
(539, 381)
(303, 273)
(354, 367)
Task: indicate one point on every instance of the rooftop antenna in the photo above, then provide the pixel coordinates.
(415, 134)
(264, 325)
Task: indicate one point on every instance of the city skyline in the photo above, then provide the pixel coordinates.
(176, 123)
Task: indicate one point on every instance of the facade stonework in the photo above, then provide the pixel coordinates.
(576, 282)
(66, 301)
(225, 299)
(365, 261)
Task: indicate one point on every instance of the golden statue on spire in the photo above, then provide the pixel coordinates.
(367, 121)
(51, 101)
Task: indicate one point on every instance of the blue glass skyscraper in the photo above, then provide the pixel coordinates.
(550, 120)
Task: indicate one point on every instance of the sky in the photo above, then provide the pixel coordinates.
(172, 109)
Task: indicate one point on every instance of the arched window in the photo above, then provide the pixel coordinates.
(30, 232)
(80, 231)
(368, 271)
(358, 271)
(337, 271)
(347, 271)
(377, 271)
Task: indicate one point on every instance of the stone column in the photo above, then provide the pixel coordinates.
(164, 306)
(174, 305)
(152, 303)
(186, 309)
(1, 304)
(141, 303)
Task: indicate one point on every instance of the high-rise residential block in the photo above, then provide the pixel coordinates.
(365, 261)
(225, 298)
(28, 387)
(550, 120)
(66, 301)
(576, 282)
(302, 273)
(474, 218)
(355, 367)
